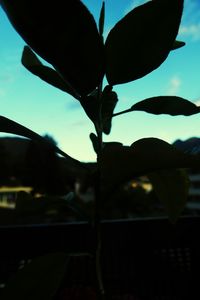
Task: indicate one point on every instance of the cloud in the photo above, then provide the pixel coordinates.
(80, 123)
(6, 78)
(190, 24)
(174, 85)
(191, 30)
(73, 105)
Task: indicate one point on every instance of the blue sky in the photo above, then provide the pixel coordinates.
(29, 101)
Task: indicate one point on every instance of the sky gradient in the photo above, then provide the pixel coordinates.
(44, 109)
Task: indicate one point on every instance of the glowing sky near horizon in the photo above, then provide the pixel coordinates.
(29, 101)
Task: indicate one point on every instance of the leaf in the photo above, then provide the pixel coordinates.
(91, 107)
(49, 75)
(65, 34)
(170, 105)
(109, 100)
(123, 163)
(10, 126)
(95, 142)
(177, 45)
(171, 187)
(102, 19)
(38, 280)
(141, 41)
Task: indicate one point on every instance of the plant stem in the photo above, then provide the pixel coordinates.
(122, 112)
(98, 235)
(97, 214)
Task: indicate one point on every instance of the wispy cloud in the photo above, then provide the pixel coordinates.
(192, 31)
(6, 78)
(174, 85)
(190, 25)
(80, 123)
(73, 105)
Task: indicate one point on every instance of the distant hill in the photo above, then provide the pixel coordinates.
(191, 145)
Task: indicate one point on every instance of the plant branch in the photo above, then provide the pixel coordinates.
(122, 112)
(97, 215)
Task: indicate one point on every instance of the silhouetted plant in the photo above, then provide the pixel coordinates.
(65, 34)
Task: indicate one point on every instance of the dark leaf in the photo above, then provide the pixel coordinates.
(121, 163)
(49, 75)
(177, 45)
(38, 280)
(142, 40)
(113, 144)
(171, 187)
(102, 19)
(95, 142)
(171, 105)
(10, 126)
(109, 100)
(64, 33)
(91, 107)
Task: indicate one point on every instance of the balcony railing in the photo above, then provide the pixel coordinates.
(147, 258)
